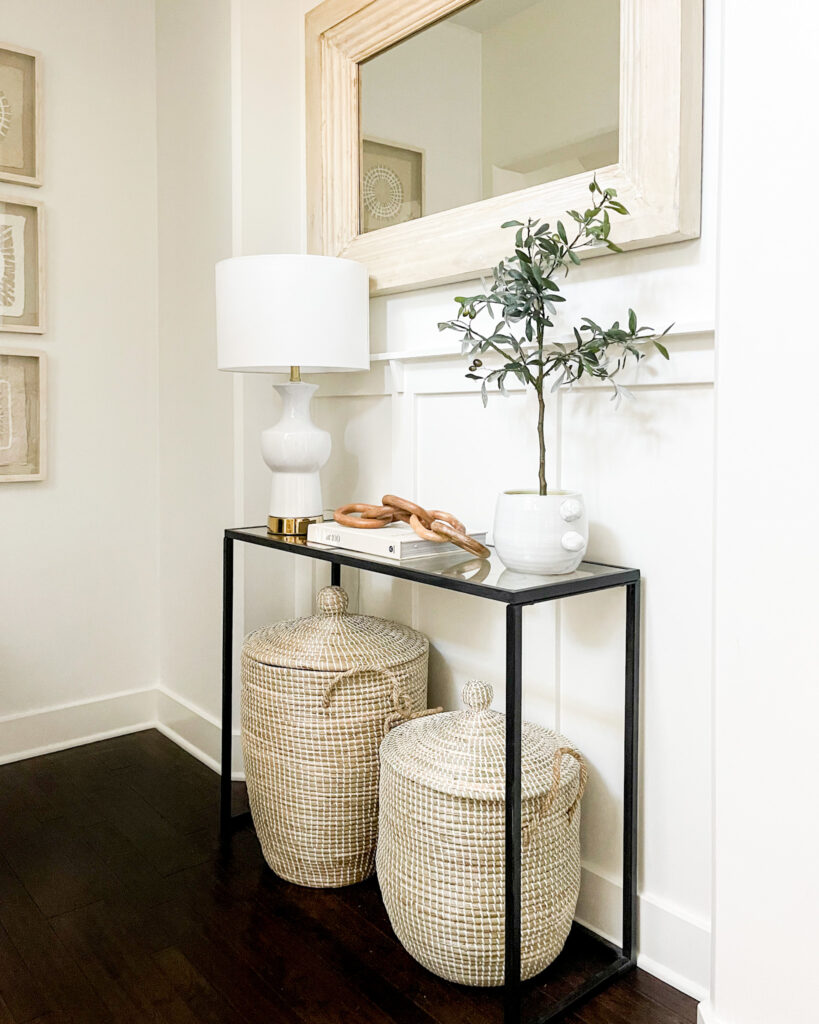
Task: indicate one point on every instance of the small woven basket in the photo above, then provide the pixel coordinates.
(440, 860)
(318, 695)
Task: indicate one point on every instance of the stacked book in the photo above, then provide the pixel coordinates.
(398, 541)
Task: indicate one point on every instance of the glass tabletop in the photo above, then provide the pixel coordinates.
(454, 570)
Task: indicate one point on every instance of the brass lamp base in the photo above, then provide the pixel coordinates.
(287, 526)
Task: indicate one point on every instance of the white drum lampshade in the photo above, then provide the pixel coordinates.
(293, 312)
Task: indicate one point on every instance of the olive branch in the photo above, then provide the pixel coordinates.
(522, 301)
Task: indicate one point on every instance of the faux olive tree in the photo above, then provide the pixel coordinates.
(522, 301)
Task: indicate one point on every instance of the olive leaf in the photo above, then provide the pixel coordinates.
(521, 299)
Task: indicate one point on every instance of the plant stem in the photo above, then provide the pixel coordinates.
(541, 408)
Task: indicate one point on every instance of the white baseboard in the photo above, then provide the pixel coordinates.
(673, 946)
(706, 1015)
(196, 730)
(62, 726)
(72, 725)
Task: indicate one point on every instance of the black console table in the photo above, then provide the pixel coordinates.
(487, 579)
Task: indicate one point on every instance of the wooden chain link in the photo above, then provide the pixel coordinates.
(430, 524)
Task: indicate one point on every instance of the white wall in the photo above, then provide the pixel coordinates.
(196, 449)
(438, 112)
(236, 188)
(78, 552)
(767, 651)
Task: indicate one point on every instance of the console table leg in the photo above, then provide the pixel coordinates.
(630, 756)
(227, 690)
(514, 650)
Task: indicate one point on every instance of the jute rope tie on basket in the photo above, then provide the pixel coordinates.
(549, 798)
(430, 524)
(401, 700)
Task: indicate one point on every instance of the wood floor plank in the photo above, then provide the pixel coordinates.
(120, 967)
(239, 983)
(665, 996)
(618, 1006)
(19, 990)
(168, 849)
(38, 946)
(131, 877)
(430, 994)
(58, 867)
(66, 785)
(22, 800)
(285, 955)
(118, 904)
(195, 990)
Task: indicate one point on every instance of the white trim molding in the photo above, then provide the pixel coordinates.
(681, 943)
(44, 730)
(195, 730)
(31, 733)
(706, 1014)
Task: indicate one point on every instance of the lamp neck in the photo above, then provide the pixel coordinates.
(295, 374)
(295, 396)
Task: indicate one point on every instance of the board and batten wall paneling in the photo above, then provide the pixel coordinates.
(413, 425)
(646, 469)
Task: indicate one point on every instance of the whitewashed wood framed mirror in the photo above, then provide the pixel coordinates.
(512, 106)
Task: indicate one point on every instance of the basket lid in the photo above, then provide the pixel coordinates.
(463, 753)
(334, 641)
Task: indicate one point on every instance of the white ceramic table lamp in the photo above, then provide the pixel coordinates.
(279, 313)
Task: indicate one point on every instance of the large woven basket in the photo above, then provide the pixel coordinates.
(441, 840)
(318, 695)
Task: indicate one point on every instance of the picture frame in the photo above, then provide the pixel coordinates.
(392, 183)
(23, 388)
(657, 175)
(22, 266)
(21, 130)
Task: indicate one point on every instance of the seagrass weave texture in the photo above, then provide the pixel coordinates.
(440, 856)
(318, 695)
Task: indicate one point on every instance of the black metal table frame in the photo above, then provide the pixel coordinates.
(624, 956)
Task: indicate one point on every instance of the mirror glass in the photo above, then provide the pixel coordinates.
(499, 96)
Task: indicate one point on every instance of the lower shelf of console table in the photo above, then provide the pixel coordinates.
(588, 962)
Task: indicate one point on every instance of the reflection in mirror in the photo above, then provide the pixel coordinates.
(499, 96)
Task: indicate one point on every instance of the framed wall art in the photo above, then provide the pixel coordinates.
(22, 287)
(20, 127)
(22, 415)
(392, 184)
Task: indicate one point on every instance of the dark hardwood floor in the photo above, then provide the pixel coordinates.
(116, 904)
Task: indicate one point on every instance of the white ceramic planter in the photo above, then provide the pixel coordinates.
(542, 534)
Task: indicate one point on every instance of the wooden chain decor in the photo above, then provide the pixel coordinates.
(430, 524)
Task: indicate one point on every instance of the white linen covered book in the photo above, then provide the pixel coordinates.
(398, 541)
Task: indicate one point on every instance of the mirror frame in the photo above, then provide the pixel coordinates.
(657, 176)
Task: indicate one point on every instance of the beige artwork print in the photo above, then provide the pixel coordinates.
(11, 117)
(13, 430)
(12, 262)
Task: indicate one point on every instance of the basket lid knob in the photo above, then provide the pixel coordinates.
(477, 695)
(332, 601)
